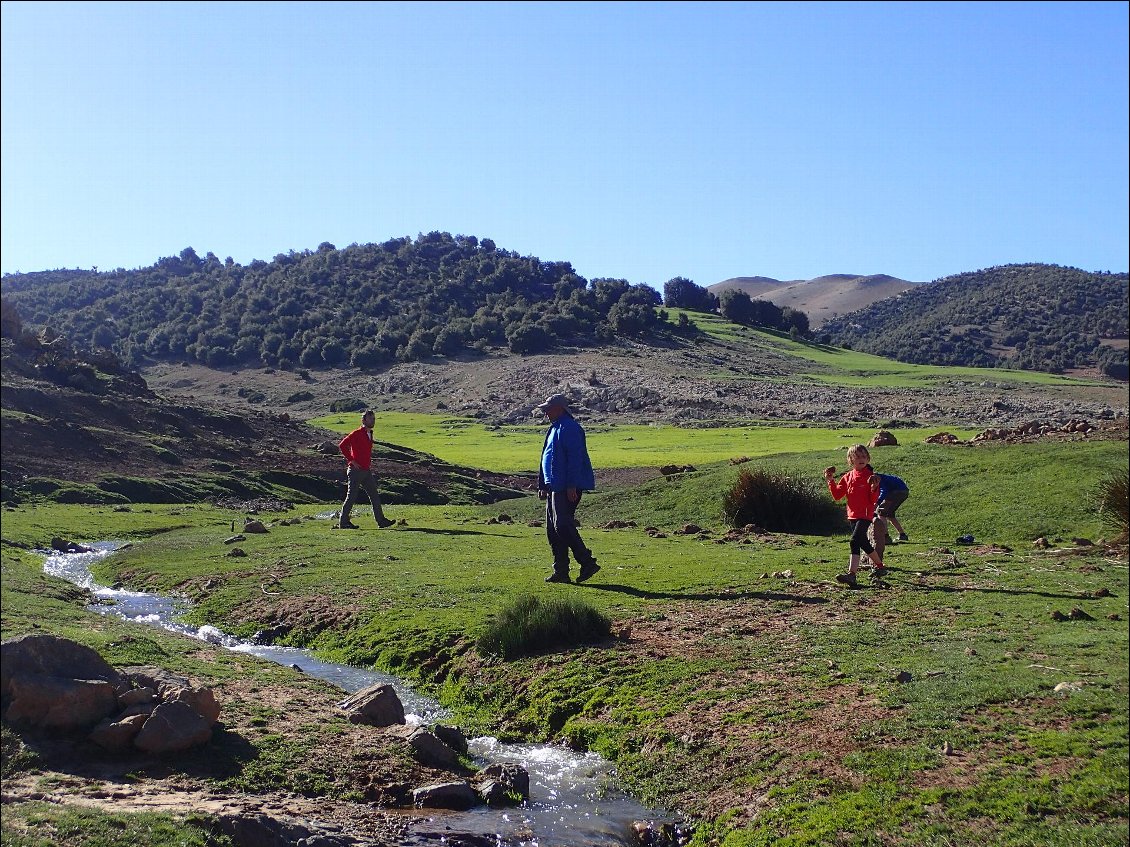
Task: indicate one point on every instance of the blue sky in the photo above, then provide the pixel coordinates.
(636, 140)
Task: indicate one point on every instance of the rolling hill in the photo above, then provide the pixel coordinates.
(822, 298)
(1032, 316)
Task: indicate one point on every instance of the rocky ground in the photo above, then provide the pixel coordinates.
(637, 383)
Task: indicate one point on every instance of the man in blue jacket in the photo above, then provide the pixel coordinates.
(565, 473)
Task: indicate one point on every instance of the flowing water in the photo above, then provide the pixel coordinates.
(574, 801)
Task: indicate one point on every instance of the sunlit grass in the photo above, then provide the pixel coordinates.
(466, 441)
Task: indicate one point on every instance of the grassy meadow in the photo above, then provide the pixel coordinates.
(741, 684)
(841, 366)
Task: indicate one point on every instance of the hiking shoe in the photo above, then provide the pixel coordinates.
(348, 526)
(903, 537)
(880, 571)
(846, 578)
(385, 523)
(557, 577)
(587, 571)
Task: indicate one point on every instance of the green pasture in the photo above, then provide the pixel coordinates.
(844, 367)
(468, 442)
(729, 655)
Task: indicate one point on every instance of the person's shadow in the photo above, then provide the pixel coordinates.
(644, 594)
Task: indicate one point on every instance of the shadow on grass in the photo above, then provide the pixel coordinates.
(718, 595)
(1016, 592)
(428, 530)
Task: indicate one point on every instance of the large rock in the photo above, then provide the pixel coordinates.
(446, 795)
(57, 703)
(431, 751)
(169, 687)
(116, 735)
(49, 655)
(883, 438)
(377, 705)
(172, 728)
(504, 785)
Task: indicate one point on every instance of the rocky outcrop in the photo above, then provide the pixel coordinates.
(56, 686)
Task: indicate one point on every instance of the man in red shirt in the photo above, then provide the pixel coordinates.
(357, 447)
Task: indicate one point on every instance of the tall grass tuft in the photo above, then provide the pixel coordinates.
(781, 502)
(529, 626)
(1113, 498)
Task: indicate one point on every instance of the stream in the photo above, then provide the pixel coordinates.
(574, 801)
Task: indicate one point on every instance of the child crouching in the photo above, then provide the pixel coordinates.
(861, 496)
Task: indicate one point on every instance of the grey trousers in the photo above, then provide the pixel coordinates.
(561, 531)
(358, 479)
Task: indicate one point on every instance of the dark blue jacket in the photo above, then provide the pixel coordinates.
(889, 483)
(564, 457)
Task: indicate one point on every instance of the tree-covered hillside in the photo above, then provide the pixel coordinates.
(1036, 317)
(400, 300)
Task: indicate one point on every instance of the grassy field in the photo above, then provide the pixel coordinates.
(468, 442)
(743, 685)
(840, 366)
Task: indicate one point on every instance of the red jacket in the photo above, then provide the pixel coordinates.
(861, 499)
(357, 447)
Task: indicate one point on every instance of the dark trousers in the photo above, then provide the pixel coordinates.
(561, 530)
(859, 542)
(357, 480)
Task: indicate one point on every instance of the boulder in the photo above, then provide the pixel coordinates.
(172, 728)
(428, 749)
(49, 655)
(117, 734)
(445, 795)
(883, 438)
(377, 705)
(512, 779)
(254, 526)
(59, 703)
(452, 736)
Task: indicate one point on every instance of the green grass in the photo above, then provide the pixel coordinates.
(839, 366)
(465, 441)
(39, 824)
(777, 692)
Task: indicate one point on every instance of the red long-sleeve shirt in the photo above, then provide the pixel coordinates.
(357, 447)
(861, 499)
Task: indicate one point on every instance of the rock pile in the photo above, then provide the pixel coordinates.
(57, 686)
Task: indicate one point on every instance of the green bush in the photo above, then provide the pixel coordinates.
(347, 404)
(780, 502)
(1113, 498)
(529, 626)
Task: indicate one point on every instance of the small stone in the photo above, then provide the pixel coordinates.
(903, 676)
(947, 748)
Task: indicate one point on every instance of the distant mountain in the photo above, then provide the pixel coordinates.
(822, 298)
(1036, 316)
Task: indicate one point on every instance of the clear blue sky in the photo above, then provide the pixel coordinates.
(635, 140)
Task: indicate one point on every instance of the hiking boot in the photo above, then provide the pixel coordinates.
(880, 571)
(385, 523)
(587, 571)
(349, 525)
(903, 537)
(557, 577)
(846, 578)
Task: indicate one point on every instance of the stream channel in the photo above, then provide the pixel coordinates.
(574, 801)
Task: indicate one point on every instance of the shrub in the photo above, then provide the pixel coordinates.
(1114, 505)
(529, 626)
(347, 404)
(780, 502)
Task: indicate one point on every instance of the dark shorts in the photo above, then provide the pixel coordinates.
(889, 504)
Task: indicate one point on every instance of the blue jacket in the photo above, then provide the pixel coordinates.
(564, 458)
(889, 483)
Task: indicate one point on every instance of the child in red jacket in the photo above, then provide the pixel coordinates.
(861, 500)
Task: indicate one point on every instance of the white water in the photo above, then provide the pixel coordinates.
(573, 798)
